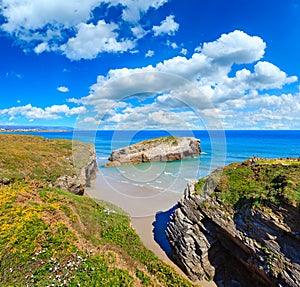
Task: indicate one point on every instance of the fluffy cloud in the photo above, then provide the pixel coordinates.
(67, 26)
(268, 76)
(138, 32)
(172, 44)
(63, 89)
(183, 51)
(24, 16)
(149, 54)
(203, 83)
(93, 39)
(150, 116)
(49, 113)
(167, 26)
(42, 47)
(210, 76)
(235, 47)
(141, 83)
(190, 68)
(263, 111)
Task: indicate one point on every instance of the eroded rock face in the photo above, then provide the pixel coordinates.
(76, 184)
(160, 149)
(243, 247)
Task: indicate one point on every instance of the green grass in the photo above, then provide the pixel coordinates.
(282, 161)
(24, 157)
(49, 236)
(46, 237)
(265, 181)
(168, 139)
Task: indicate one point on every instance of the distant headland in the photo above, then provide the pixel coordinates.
(22, 129)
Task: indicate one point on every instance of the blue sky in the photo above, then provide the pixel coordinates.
(161, 64)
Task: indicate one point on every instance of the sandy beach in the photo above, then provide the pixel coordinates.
(143, 204)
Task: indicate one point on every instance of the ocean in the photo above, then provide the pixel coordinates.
(219, 148)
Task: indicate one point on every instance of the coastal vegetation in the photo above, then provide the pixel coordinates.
(243, 225)
(166, 139)
(39, 158)
(273, 180)
(50, 237)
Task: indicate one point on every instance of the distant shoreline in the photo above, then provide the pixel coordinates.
(31, 131)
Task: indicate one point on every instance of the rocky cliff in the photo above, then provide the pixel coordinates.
(240, 226)
(86, 169)
(159, 149)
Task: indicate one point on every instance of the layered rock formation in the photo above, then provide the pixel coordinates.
(86, 171)
(159, 149)
(249, 237)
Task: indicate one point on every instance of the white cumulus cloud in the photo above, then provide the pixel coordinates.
(210, 76)
(235, 47)
(69, 26)
(24, 16)
(63, 89)
(268, 76)
(49, 113)
(183, 51)
(138, 32)
(203, 82)
(167, 26)
(42, 47)
(172, 44)
(149, 54)
(93, 39)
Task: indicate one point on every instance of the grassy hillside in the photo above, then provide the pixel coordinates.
(273, 180)
(39, 158)
(49, 237)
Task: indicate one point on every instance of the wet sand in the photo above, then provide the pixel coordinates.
(142, 204)
(137, 201)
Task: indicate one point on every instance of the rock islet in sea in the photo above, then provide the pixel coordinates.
(159, 149)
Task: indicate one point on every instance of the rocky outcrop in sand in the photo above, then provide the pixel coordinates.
(159, 149)
(85, 174)
(246, 246)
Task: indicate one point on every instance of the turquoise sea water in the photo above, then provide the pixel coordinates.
(218, 149)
